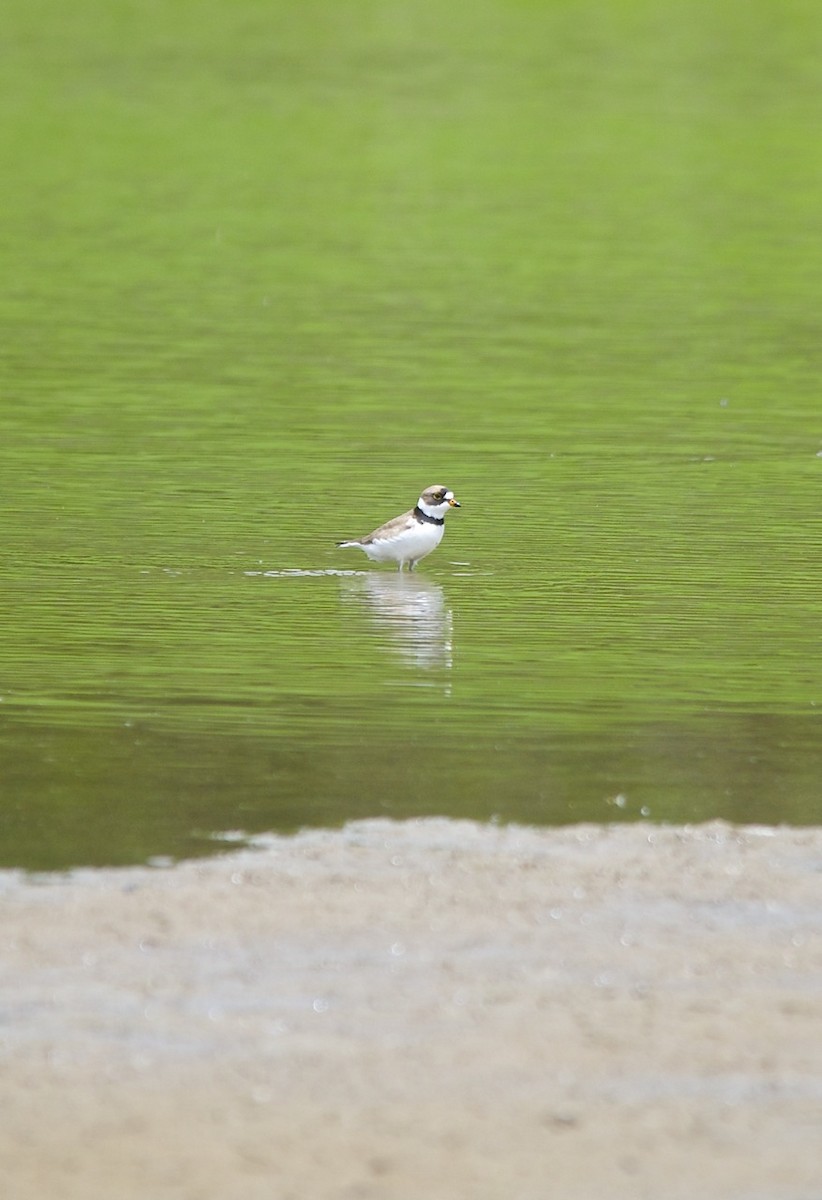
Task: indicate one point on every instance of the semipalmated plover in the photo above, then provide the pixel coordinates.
(416, 533)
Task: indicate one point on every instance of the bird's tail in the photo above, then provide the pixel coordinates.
(342, 545)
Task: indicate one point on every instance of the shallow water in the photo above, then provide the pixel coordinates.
(267, 275)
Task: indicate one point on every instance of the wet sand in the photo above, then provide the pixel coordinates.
(428, 1009)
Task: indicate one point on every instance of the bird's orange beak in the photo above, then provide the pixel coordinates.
(454, 503)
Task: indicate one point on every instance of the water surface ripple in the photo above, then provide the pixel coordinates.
(266, 279)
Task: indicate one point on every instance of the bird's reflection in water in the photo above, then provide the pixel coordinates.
(410, 611)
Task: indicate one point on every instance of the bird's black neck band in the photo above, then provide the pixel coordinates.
(423, 516)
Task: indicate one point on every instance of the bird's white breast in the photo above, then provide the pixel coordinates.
(407, 544)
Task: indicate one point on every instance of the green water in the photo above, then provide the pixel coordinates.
(270, 269)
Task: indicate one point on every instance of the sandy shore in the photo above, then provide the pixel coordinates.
(429, 1009)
